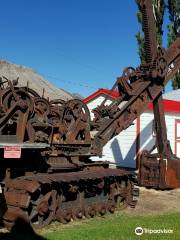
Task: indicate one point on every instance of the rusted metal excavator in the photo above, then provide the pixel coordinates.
(45, 168)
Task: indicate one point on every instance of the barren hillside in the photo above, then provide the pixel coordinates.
(35, 81)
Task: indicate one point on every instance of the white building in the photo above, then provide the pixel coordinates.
(123, 149)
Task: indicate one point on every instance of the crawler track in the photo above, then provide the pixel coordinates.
(40, 199)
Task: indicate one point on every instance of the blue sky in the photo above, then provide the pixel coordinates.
(78, 45)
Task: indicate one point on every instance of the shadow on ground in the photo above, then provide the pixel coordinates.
(21, 231)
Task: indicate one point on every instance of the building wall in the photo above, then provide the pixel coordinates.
(96, 102)
(170, 125)
(147, 140)
(122, 150)
(177, 137)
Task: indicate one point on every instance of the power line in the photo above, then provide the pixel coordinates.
(70, 82)
(76, 61)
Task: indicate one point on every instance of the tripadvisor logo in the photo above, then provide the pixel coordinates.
(138, 231)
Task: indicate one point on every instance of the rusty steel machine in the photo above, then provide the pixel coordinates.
(46, 172)
(137, 88)
(45, 168)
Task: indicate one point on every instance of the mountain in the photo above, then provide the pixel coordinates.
(35, 80)
(77, 96)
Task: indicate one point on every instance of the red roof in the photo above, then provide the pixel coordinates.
(169, 105)
(102, 91)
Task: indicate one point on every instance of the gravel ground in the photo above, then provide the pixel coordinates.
(153, 202)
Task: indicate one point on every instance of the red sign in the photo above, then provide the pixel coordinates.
(12, 152)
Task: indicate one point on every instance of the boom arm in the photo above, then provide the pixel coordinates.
(145, 90)
(138, 87)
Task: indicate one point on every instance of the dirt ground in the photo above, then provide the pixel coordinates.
(152, 202)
